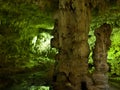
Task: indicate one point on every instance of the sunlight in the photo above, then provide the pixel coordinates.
(41, 42)
(39, 88)
(34, 40)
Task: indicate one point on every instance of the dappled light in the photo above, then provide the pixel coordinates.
(41, 42)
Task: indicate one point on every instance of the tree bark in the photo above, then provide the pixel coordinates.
(102, 45)
(71, 39)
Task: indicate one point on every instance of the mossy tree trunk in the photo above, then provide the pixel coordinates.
(71, 39)
(102, 45)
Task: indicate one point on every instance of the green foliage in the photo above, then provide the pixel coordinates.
(20, 22)
(24, 17)
(114, 53)
(25, 33)
(39, 88)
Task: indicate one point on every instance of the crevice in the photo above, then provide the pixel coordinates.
(83, 85)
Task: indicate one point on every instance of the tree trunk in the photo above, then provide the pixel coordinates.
(71, 39)
(102, 45)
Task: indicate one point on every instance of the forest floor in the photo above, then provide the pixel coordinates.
(114, 84)
(33, 79)
(25, 78)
